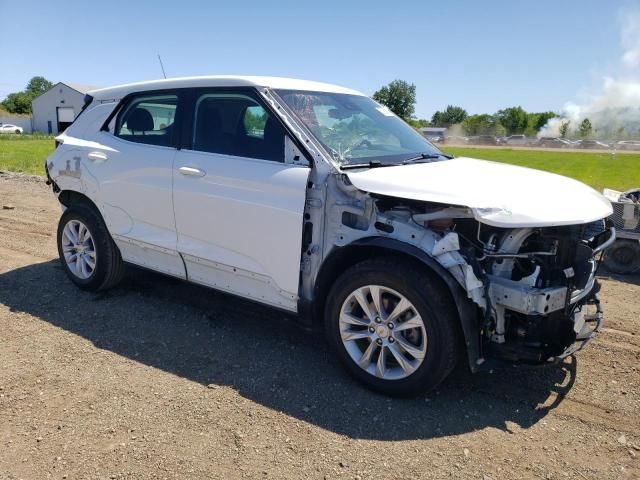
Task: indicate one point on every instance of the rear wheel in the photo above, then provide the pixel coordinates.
(87, 252)
(392, 326)
(623, 256)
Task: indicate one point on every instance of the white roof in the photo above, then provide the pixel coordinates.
(219, 81)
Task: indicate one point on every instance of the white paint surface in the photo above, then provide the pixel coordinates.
(500, 195)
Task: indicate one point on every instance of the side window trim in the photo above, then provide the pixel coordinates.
(190, 99)
(175, 140)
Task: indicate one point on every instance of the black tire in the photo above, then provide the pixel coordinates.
(623, 256)
(431, 299)
(18, 132)
(109, 268)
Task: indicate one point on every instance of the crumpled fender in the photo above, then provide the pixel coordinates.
(467, 310)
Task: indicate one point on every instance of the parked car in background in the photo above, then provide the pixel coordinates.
(516, 140)
(316, 200)
(455, 140)
(9, 128)
(483, 140)
(551, 142)
(591, 144)
(627, 145)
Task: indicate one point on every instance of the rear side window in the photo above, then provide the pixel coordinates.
(148, 119)
(236, 124)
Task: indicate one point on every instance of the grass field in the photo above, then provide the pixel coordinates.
(600, 170)
(27, 153)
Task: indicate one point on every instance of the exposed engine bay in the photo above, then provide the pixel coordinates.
(533, 290)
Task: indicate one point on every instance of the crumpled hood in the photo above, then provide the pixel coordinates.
(499, 194)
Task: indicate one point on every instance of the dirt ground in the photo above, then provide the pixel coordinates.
(161, 379)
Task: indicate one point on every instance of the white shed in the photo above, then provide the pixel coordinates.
(55, 109)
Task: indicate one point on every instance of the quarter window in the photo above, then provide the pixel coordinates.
(237, 125)
(148, 119)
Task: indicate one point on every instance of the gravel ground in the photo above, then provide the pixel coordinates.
(161, 379)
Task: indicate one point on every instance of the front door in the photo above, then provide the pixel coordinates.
(239, 206)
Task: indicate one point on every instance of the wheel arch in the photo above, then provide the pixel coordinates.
(70, 197)
(344, 257)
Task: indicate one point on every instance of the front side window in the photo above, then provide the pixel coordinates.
(355, 129)
(236, 124)
(148, 119)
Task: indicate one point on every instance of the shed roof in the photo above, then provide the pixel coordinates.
(82, 89)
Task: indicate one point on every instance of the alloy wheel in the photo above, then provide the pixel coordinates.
(383, 332)
(79, 249)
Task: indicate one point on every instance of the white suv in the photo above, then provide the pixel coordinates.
(315, 199)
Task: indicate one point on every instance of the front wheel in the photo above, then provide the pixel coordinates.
(87, 252)
(393, 326)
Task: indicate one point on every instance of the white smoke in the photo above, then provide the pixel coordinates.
(615, 110)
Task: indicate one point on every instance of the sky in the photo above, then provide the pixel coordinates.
(482, 56)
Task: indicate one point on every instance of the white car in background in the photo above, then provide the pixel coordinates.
(8, 128)
(517, 140)
(316, 200)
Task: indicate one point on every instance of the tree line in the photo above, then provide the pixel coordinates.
(400, 97)
(20, 102)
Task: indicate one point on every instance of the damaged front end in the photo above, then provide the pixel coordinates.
(541, 289)
(536, 288)
(531, 292)
(518, 248)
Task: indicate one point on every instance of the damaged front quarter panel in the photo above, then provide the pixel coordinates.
(501, 308)
(355, 218)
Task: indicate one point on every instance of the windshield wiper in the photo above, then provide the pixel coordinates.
(370, 164)
(426, 156)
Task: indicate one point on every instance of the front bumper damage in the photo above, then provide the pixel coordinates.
(545, 325)
(551, 329)
(589, 329)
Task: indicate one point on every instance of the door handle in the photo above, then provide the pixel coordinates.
(97, 157)
(192, 171)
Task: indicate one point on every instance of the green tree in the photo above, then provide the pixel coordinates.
(483, 124)
(399, 96)
(542, 119)
(436, 119)
(451, 115)
(513, 119)
(564, 129)
(418, 123)
(536, 121)
(20, 102)
(38, 85)
(585, 128)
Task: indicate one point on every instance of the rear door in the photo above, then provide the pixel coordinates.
(238, 201)
(132, 162)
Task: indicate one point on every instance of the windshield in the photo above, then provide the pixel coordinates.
(356, 130)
